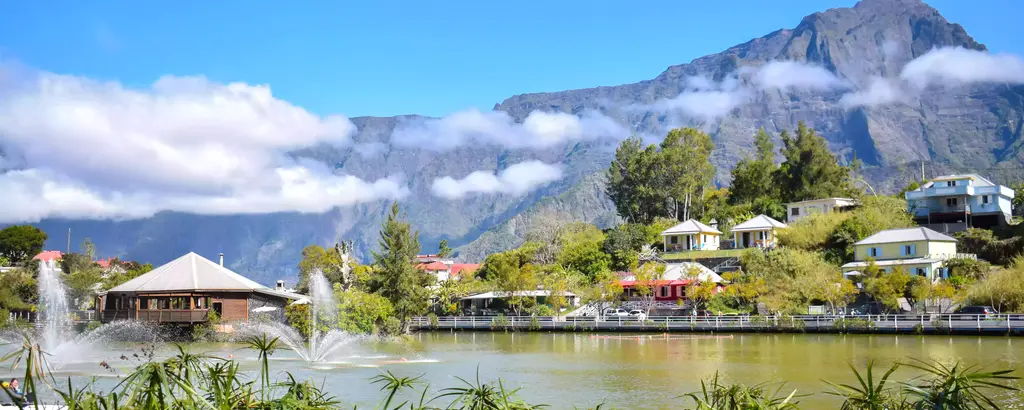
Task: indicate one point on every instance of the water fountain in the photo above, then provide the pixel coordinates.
(323, 313)
(54, 328)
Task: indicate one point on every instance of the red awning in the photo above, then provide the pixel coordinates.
(631, 283)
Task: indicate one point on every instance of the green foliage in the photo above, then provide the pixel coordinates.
(667, 180)
(794, 279)
(395, 276)
(509, 272)
(752, 178)
(81, 285)
(4, 262)
(834, 233)
(716, 395)
(448, 295)
(18, 292)
(206, 331)
(361, 312)
(123, 271)
(585, 258)
(1002, 289)
(20, 243)
(298, 317)
(987, 246)
(810, 170)
(887, 288)
(624, 242)
(327, 261)
(443, 250)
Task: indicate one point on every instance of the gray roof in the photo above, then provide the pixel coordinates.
(978, 179)
(758, 223)
(690, 226)
(192, 272)
(905, 235)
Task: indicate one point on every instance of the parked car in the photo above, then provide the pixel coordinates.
(977, 310)
(616, 312)
(637, 313)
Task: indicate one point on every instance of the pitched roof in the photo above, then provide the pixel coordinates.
(48, 256)
(679, 271)
(905, 235)
(432, 266)
(192, 272)
(978, 179)
(460, 268)
(690, 226)
(758, 223)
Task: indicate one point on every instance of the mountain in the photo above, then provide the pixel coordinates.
(868, 45)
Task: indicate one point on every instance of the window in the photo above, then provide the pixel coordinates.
(874, 252)
(665, 291)
(673, 239)
(921, 272)
(950, 183)
(908, 250)
(951, 202)
(795, 212)
(984, 199)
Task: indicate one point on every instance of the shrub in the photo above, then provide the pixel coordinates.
(432, 318)
(534, 323)
(391, 326)
(988, 247)
(501, 322)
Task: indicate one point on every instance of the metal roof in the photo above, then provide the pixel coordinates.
(682, 271)
(758, 223)
(192, 272)
(518, 293)
(905, 235)
(978, 180)
(892, 262)
(690, 226)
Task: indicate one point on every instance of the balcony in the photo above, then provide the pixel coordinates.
(159, 316)
(963, 190)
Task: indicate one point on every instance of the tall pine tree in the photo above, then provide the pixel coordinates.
(395, 276)
(752, 178)
(810, 170)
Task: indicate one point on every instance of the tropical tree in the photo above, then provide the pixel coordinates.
(19, 243)
(443, 250)
(648, 278)
(331, 262)
(395, 278)
(752, 178)
(810, 169)
(686, 170)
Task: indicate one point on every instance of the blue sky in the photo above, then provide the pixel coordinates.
(389, 57)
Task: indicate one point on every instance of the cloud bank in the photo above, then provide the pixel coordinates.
(538, 130)
(941, 67)
(517, 179)
(79, 148)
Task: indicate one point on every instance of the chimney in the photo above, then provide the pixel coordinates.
(222, 259)
(280, 285)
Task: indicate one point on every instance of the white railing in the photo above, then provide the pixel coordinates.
(1002, 323)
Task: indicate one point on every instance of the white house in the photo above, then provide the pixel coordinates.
(961, 201)
(690, 235)
(757, 232)
(797, 210)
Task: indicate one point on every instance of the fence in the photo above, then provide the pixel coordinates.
(945, 323)
(76, 316)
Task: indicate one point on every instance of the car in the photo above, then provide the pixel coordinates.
(616, 312)
(637, 313)
(977, 310)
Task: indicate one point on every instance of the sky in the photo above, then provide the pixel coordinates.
(112, 110)
(387, 58)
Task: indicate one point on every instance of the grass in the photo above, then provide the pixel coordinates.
(688, 255)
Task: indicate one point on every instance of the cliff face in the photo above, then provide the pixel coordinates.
(976, 128)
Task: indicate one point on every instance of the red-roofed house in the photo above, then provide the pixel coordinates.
(47, 256)
(458, 270)
(438, 269)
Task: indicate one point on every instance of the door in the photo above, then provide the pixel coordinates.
(218, 307)
(746, 239)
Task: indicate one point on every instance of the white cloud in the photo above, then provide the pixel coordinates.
(955, 65)
(891, 48)
(517, 179)
(879, 91)
(703, 105)
(794, 75)
(538, 130)
(101, 150)
(370, 149)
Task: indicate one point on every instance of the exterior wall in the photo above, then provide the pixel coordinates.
(769, 240)
(257, 300)
(931, 270)
(932, 200)
(942, 248)
(812, 207)
(234, 307)
(703, 241)
(892, 250)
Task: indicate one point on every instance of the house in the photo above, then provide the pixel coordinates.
(185, 290)
(437, 269)
(961, 201)
(499, 300)
(673, 283)
(690, 235)
(757, 232)
(919, 251)
(797, 210)
(460, 270)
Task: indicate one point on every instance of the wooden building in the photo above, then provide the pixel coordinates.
(185, 290)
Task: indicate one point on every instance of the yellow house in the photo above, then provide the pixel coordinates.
(757, 232)
(691, 235)
(919, 251)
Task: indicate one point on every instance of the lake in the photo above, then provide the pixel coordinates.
(629, 371)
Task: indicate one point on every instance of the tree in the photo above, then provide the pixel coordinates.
(685, 170)
(395, 277)
(743, 290)
(361, 312)
(752, 177)
(810, 170)
(700, 293)
(448, 295)
(633, 185)
(443, 250)
(334, 263)
(88, 249)
(20, 243)
(888, 288)
(510, 273)
(648, 279)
